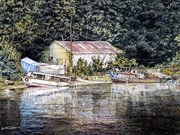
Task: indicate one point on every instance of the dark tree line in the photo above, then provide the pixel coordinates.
(145, 29)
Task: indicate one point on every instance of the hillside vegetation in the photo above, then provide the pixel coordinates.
(146, 29)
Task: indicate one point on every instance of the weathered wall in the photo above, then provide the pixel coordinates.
(58, 54)
(88, 57)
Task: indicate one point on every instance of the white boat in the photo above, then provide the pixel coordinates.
(128, 77)
(38, 79)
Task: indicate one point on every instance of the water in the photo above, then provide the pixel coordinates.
(124, 109)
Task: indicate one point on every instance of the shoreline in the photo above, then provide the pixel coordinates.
(12, 87)
(83, 83)
(17, 85)
(20, 84)
(78, 82)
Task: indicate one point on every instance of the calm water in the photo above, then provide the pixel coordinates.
(124, 109)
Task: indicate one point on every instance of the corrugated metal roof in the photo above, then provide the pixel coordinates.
(88, 47)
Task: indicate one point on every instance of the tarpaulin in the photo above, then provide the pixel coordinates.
(29, 65)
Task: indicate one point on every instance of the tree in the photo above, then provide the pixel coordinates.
(144, 29)
(82, 68)
(97, 64)
(121, 61)
(9, 61)
(33, 24)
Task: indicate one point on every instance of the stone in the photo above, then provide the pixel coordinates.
(8, 82)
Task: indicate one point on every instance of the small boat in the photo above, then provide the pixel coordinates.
(38, 79)
(128, 77)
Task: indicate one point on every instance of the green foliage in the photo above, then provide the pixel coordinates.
(144, 29)
(8, 68)
(177, 39)
(10, 52)
(167, 72)
(25, 23)
(97, 64)
(122, 61)
(45, 56)
(82, 68)
(9, 60)
(34, 24)
(176, 60)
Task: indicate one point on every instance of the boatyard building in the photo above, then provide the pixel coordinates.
(60, 50)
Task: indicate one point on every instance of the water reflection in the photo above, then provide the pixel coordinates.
(9, 111)
(138, 109)
(149, 108)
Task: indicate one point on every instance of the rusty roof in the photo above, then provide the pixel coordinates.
(88, 47)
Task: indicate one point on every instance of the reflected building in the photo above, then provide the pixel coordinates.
(128, 105)
(85, 105)
(43, 102)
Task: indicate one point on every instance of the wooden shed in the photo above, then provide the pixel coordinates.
(60, 50)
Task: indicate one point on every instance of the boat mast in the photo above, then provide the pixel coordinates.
(70, 60)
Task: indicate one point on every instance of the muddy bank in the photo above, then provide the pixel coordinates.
(20, 85)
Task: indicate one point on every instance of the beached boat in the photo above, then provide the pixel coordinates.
(38, 79)
(128, 77)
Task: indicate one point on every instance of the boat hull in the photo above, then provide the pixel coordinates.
(42, 83)
(134, 81)
(126, 77)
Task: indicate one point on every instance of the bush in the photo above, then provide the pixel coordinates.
(97, 65)
(9, 51)
(82, 68)
(8, 68)
(9, 61)
(167, 72)
(122, 61)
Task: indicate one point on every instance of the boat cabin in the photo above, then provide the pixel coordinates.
(47, 77)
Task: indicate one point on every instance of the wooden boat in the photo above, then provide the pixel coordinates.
(120, 80)
(128, 77)
(38, 79)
